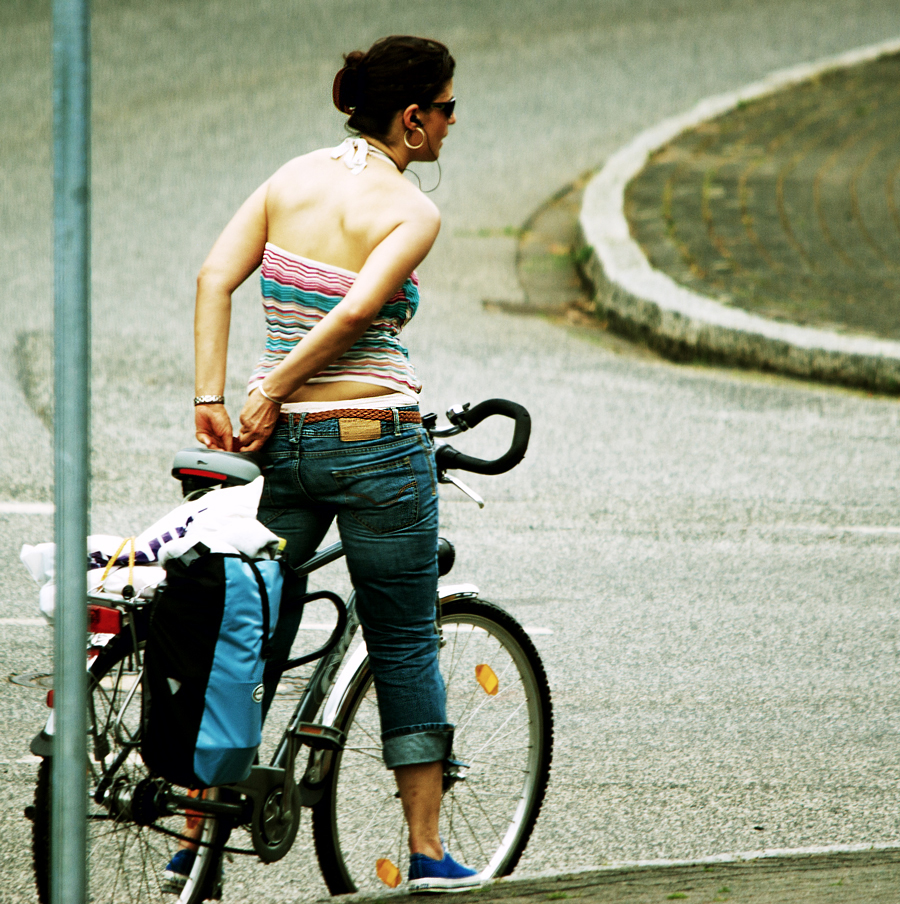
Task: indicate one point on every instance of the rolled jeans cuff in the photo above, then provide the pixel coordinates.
(417, 744)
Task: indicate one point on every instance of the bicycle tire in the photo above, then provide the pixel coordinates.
(125, 861)
(488, 816)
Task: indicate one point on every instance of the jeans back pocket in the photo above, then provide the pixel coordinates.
(382, 496)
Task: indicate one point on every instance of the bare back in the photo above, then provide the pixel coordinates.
(317, 208)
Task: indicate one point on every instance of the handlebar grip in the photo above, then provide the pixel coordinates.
(448, 457)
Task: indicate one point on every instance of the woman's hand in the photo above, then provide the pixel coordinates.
(258, 419)
(213, 427)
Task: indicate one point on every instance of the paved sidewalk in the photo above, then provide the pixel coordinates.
(787, 207)
(766, 233)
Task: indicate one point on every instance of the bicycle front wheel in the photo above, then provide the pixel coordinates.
(499, 699)
(125, 860)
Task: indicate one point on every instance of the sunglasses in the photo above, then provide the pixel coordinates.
(446, 106)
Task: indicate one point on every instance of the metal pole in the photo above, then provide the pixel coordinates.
(72, 277)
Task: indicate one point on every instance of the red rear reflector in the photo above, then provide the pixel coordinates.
(50, 699)
(196, 472)
(102, 620)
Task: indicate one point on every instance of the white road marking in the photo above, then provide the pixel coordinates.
(314, 626)
(26, 508)
(861, 530)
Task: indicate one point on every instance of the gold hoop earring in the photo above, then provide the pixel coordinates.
(415, 147)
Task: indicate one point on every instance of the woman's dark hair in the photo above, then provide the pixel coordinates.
(395, 72)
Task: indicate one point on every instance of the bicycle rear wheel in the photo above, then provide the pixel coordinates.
(125, 860)
(499, 699)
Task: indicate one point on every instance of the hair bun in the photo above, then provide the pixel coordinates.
(337, 89)
(345, 90)
(397, 71)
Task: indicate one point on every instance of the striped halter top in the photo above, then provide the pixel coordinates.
(297, 293)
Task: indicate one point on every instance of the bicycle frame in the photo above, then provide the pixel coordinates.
(324, 688)
(327, 686)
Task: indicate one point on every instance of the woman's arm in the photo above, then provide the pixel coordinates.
(236, 254)
(385, 270)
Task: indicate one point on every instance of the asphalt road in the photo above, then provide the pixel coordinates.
(715, 553)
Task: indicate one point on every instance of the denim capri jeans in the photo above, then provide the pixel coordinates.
(378, 477)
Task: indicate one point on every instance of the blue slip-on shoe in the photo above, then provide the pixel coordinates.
(435, 876)
(178, 871)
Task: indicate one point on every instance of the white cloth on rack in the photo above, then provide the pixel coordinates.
(227, 524)
(223, 520)
(40, 562)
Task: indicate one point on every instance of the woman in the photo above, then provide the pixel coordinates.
(332, 407)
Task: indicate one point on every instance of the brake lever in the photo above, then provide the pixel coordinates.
(449, 478)
(456, 414)
(429, 422)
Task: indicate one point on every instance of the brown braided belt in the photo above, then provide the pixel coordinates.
(366, 414)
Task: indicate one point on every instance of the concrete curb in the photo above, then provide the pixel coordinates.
(734, 857)
(765, 877)
(646, 304)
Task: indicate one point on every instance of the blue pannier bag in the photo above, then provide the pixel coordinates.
(210, 631)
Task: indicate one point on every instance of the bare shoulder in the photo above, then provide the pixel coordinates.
(317, 207)
(421, 209)
(300, 167)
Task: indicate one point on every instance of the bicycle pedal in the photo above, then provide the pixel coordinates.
(320, 737)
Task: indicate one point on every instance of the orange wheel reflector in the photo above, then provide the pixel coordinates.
(487, 678)
(388, 873)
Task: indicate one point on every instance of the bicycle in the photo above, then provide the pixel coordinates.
(494, 784)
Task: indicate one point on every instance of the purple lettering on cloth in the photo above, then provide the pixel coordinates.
(140, 558)
(99, 559)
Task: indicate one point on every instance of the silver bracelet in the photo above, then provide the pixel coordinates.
(266, 395)
(209, 400)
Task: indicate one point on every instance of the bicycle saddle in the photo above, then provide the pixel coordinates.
(200, 468)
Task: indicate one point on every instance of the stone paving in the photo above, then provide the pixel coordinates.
(787, 207)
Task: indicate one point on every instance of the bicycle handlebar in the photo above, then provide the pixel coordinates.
(448, 457)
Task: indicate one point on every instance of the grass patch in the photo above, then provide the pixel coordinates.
(501, 232)
(580, 256)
